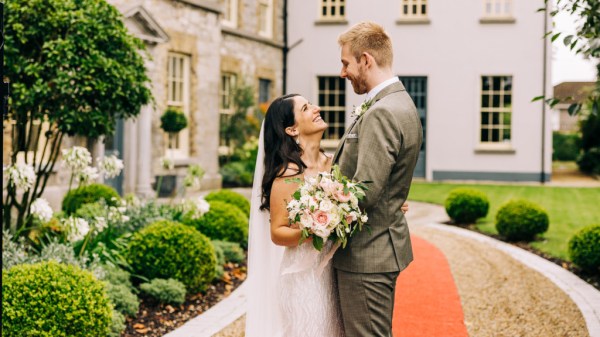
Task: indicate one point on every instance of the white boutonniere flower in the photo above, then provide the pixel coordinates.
(361, 109)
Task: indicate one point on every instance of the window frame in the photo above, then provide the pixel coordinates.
(501, 144)
(232, 21)
(339, 5)
(340, 109)
(267, 30)
(498, 17)
(182, 150)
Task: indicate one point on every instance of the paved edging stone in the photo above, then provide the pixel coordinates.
(586, 297)
(216, 318)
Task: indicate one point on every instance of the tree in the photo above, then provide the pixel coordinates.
(75, 70)
(585, 41)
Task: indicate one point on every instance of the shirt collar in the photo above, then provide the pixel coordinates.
(371, 94)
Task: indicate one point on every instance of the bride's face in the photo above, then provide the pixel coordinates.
(308, 117)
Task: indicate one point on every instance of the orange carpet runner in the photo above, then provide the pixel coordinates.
(427, 303)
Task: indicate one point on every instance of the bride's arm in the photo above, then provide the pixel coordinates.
(281, 232)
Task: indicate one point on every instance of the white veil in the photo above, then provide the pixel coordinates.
(264, 259)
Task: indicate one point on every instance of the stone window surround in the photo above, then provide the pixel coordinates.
(233, 6)
(266, 30)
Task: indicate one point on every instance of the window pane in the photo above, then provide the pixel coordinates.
(485, 118)
(485, 101)
(495, 135)
(484, 135)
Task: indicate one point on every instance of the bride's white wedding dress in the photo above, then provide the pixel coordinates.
(290, 291)
(307, 293)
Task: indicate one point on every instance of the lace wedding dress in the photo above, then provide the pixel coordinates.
(307, 293)
(290, 291)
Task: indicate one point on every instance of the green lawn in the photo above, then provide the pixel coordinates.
(569, 208)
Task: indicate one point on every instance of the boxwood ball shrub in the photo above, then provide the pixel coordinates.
(466, 205)
(584, 248)
(521, 220)
(53, 300)
(167, 249)
(222, 222)
(88, 194)
(232, 198)
(173, 120)
(232, 252)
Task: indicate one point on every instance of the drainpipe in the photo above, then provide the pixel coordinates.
(544, 63)
(285, 46)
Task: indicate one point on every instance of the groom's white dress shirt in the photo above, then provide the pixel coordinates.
(371, 94)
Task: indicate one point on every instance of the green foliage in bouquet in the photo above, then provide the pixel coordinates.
(230, 197)
(165, 291)
(521, 220)
(173, 120)
(53, 300)
(466, 205)
(168, 249)
(89, 194)
(222, 222)
(584, 249)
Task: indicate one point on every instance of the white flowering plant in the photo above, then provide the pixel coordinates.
(325, 207)
(40, 209)
(110, 166)
(20, 175)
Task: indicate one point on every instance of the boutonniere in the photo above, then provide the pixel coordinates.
(361, 109)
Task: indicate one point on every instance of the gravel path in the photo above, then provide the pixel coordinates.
(500, 296)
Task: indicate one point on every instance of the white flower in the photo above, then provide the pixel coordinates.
(306, 221)
(77, 228)
(111, 166)
(325, 205)
(167, 163)
(87, 175)
(21, 175)
(195, 208)
(76, 158)
(361, 109)
(41, 209)
(364, 218)
(100, 223)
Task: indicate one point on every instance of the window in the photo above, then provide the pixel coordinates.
(332, 100)
(333, 9)
(178, 86)
(414, 9)
(497, 8)
(496, 109)
(230, 13)
(226, 108)
(264, 90)
(265, 18)
(228, 81)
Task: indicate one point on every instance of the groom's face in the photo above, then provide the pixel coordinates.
(353, 70)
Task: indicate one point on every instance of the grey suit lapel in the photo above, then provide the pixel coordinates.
(392, 88)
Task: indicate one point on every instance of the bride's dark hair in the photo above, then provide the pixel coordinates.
(280, 148)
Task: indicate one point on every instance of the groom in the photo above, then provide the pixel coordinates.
(381, 146)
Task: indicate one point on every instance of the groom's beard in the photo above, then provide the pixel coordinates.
(359, 83)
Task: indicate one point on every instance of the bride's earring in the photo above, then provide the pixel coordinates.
(297, 140)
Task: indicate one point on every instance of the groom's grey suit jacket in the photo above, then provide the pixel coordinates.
(382, 146)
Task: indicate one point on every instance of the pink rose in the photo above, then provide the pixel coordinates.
(349, 219)
(321, 218)
(341, 197)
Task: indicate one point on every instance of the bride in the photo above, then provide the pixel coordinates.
(291, 289)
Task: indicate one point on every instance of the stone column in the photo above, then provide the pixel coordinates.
(144, 153)
(130, 156)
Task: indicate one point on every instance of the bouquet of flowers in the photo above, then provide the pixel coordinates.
(325, 207)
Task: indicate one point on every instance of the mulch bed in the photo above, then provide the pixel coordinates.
(155, 319)
(593, 279)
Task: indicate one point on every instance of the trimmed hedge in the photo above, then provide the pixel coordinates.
(167, 249)
(466, 205)
(222, 222)
(232, 198)
(232, 252)
(584, 248)
(565, 147)
(87, 195)
(53, 300)
(521, 220)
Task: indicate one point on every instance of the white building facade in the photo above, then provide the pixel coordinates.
(472, 68)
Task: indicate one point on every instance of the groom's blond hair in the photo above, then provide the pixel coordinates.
(368, 37)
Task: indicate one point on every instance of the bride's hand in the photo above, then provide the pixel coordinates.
(404, 207)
